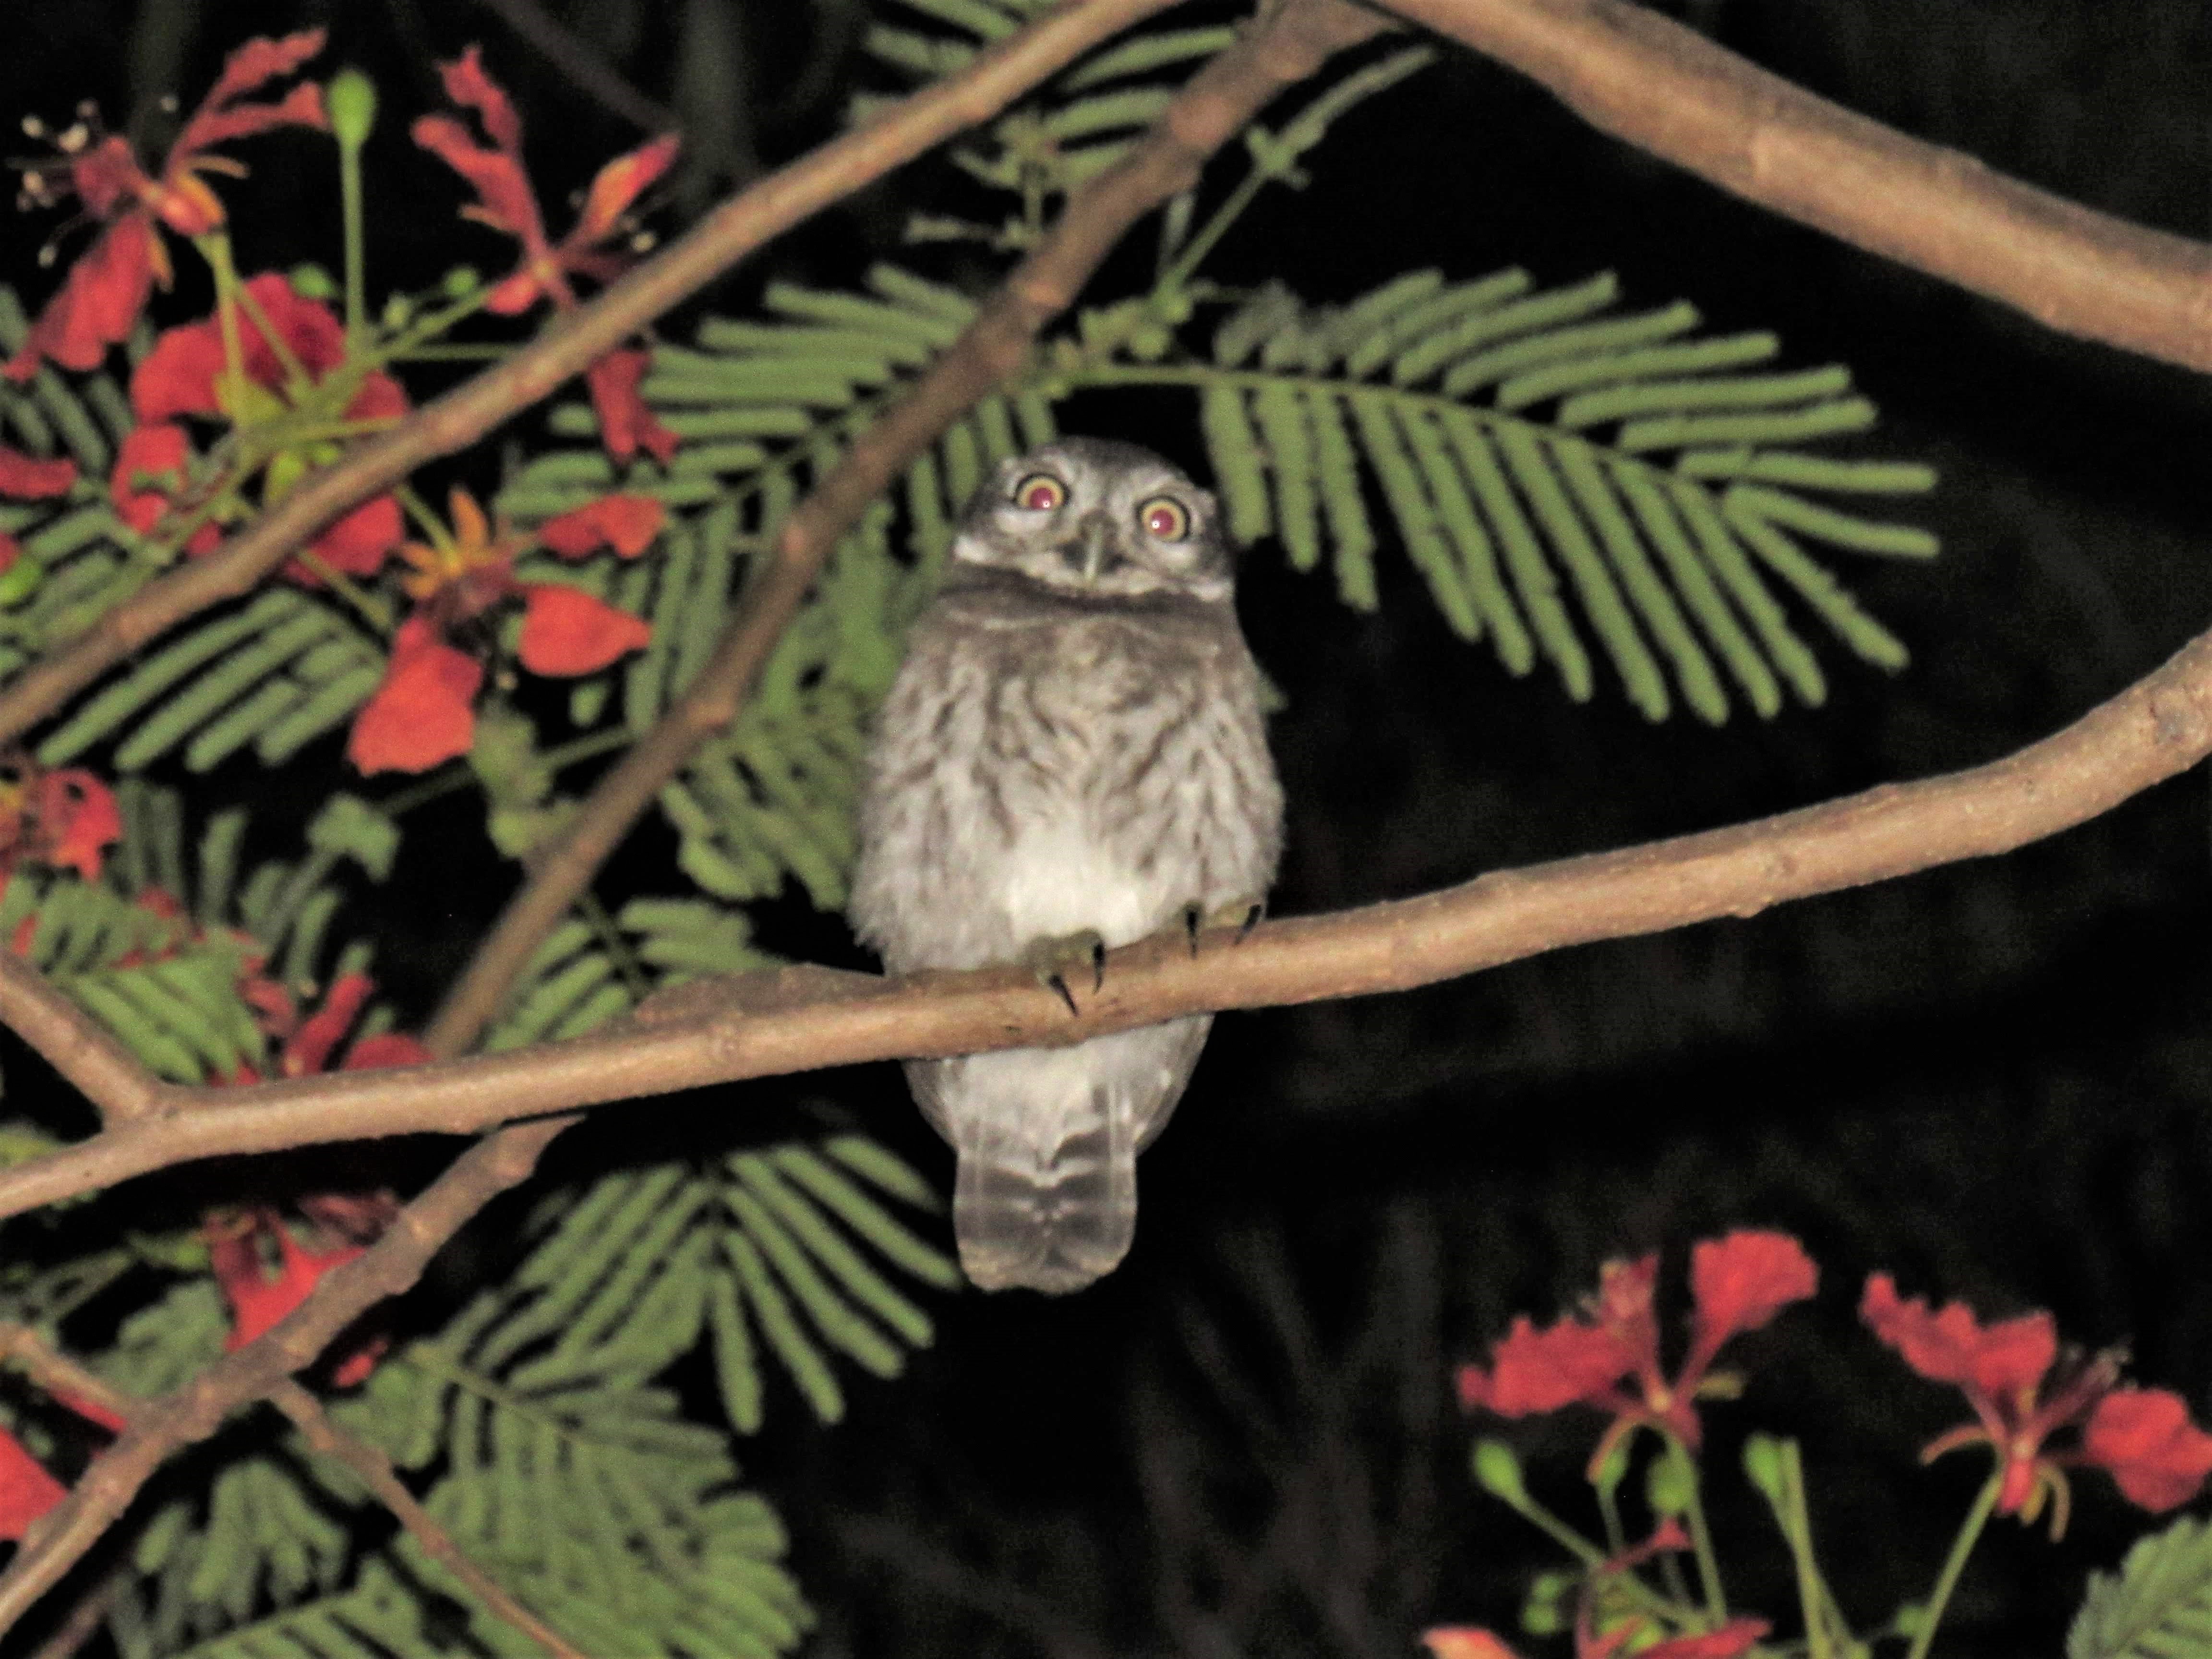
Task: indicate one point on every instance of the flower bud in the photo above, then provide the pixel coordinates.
(1762, 1465)
(1498, 1471)
(350, 99)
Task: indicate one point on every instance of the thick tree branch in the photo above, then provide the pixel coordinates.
(576, 340)
(376, 1473)
(1666, 89)
(1285, 44)
(802, 1019)
(158, 1428)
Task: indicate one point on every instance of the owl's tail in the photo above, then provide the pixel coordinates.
(1046, 1196)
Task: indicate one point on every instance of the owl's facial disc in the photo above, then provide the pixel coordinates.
(1094, 519)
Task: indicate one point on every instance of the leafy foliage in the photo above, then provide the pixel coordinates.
(2157, 1606)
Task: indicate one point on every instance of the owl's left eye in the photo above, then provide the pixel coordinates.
(1165, 518)
(1039, 492)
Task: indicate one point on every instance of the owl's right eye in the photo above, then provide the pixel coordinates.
(1039, 492)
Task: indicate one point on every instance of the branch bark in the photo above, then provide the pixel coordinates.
(802, 1019)
(1666, 89)
(1285, 44)
(574, 342)
(158, 1428)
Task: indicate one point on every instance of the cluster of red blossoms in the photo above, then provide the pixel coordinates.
(2021, 1386)
(265, 1273)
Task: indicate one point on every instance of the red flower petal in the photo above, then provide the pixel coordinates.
(92, 1411)
(1465, 1642)
(357, 544)
(626, 523)
(28, 478)
(77, 818)
(253, 64)
(392, 1048)
(1737, 1283)
(107, 176)
(1731, 1640)
(147, 455)
(380, 398)
(505, 199)
(1950, 1345)
(178, 375)
(1533, 1370)
(99, 302)
(2158, 1457)
(11, 550)
(309, 1050)
(467, 85)
(423, 713)
(566, 631)
(620, 183)
(302, 106)
(258, 1302)
(183, 373)
(626, 424)
(26, 1491)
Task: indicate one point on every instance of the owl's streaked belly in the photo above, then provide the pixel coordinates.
(1078, 784)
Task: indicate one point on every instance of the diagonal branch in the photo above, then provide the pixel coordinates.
(574, 341)
(1285, 44)
(1666, 89)
(802, 1019)
(376, 1473)
(158, 1428)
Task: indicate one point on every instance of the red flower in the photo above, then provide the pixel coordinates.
(507, 203)
(423, 711)
(628, 524)
(308, 1043)
(2023, 1390)
(27, 478)
(1737, 1283)
(260, 1302)
(186, 374)
(63, 819)
(26, 1491)
(107, 288)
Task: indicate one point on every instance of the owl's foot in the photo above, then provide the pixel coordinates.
(1052, 959)
(1243, 914)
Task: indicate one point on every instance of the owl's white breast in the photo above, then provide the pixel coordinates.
(1059, 876)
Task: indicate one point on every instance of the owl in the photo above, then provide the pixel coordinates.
(1072, 756)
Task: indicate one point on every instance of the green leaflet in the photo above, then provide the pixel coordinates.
(1658, 511)
(2157, 1606)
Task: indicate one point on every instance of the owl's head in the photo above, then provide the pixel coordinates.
(1088, 517)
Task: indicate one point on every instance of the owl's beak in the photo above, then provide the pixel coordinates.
(1091, 553)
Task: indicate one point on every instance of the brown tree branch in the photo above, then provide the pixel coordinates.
(574, 341)
(1286, 44)
(1666, 89)
(802, 1019)
(157, 1428)
(376, 1473)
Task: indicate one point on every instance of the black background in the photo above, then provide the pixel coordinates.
(1991, 1080)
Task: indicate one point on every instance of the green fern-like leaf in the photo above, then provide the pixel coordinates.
(1558, 474)
(2157, 1606)
(379, 1617)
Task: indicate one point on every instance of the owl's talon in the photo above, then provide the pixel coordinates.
(1193, 918)
(1243, 915)
(1252, 913)
(1051, 960)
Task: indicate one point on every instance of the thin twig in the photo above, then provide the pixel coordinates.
(802, 1019)
(1666, 89)
(588, 72)
(159, 1427)
(375, 1470)
(574, 342)
(1286, 44)
(58, 1374)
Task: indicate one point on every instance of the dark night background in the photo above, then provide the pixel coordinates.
(1993, 1079)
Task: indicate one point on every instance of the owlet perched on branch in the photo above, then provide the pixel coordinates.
(1072, 757)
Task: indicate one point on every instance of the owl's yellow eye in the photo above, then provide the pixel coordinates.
(1165, 518)
(1039, 492)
